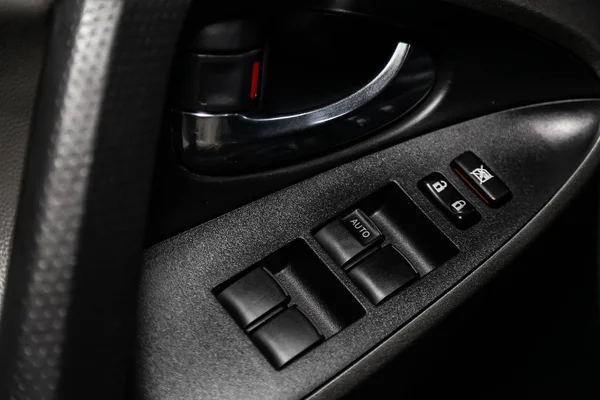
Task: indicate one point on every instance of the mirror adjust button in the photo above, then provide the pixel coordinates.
(481, 179)
(449, 200)
(382, 273)
(343, 239)
(252, 296)
(285, 336)
(361, 227)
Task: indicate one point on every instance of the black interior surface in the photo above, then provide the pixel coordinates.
(316, 58)
(19, 73)
(181, 272)
(475, 75)
(119, 259)
(539, 341)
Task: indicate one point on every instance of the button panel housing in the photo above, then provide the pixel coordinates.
(204, 259)
(383, 243)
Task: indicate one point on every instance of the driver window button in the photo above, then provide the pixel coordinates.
(344, 239)
(252, 296)
(361, 227)
(285, 336)
(382, 273)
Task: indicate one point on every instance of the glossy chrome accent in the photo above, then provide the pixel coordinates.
(236, 127)
(240, 143)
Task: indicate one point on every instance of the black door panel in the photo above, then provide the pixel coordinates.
(534, 150)
(481, 66)
(334, 266)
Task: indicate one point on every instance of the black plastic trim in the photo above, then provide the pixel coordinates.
(390, 348)
(500, 67)
(535, 149)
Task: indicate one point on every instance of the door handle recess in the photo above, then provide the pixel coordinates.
(243, 127)
(230, 142)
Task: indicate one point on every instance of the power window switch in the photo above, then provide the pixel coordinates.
(382, 273)
(361, 227)
(285, 337)
(252, 296)
(348, 237)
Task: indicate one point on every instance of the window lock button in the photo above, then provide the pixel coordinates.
(481, 179)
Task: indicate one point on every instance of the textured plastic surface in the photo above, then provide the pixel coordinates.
(477, 280)
(535, 149)
(576, 28)
(483, 65)
(19, 71)
(68, 317)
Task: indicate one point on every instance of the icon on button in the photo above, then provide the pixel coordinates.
(482, 175)
(440, 185)
(449, 200)
(458, 205)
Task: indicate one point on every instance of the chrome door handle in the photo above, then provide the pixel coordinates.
(236, 142)
(216, 129)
